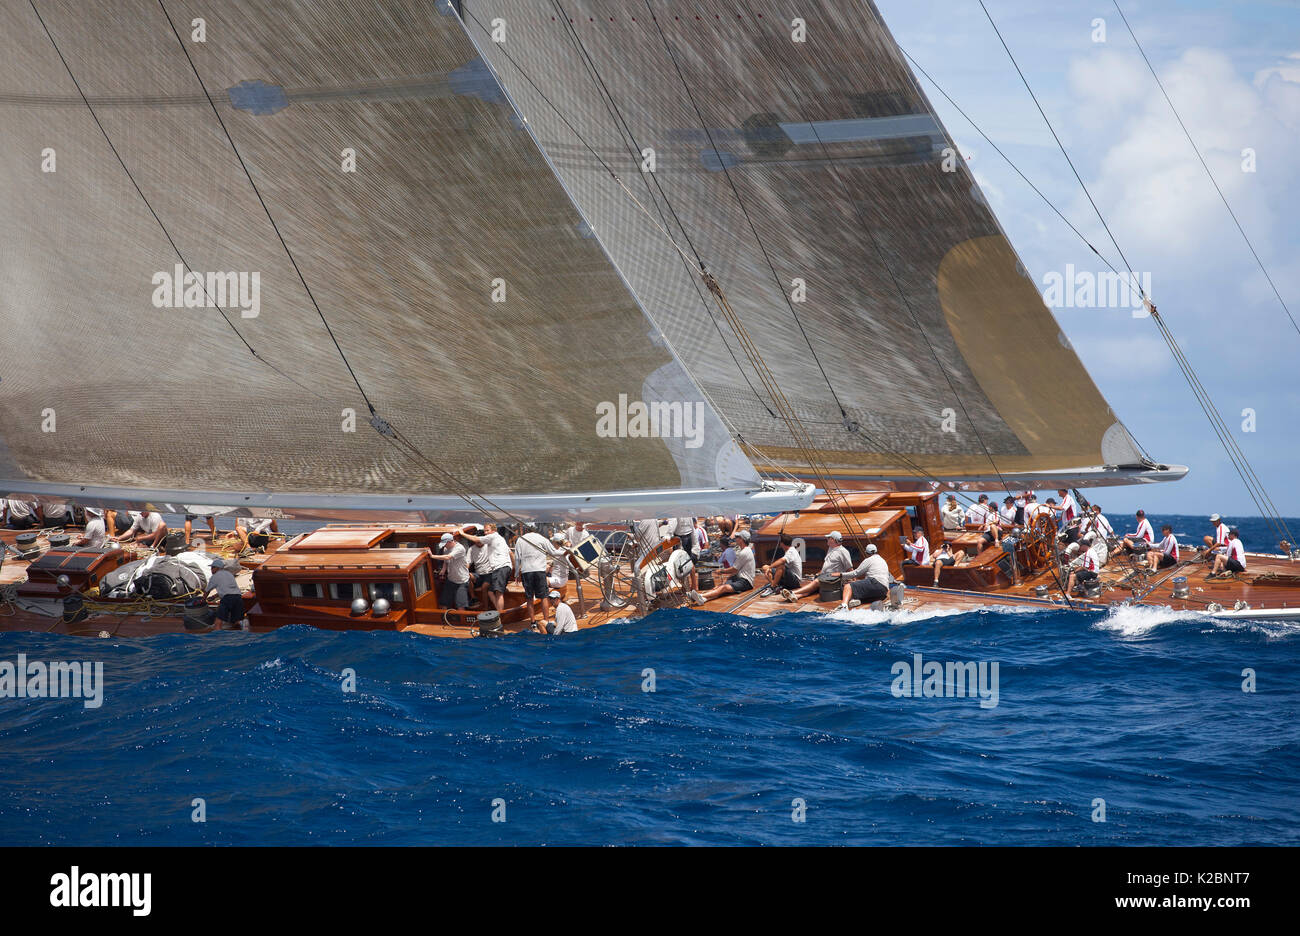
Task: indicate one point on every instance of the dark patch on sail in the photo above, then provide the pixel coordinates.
(257, 97)
(717, 160)
(764, 135)
(585, 231)
(475, 79)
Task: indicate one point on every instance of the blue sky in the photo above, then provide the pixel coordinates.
(1233, 71)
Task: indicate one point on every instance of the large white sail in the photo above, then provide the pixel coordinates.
(470, 302)
(791, 149)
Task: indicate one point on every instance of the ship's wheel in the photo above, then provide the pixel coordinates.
(1040, 541)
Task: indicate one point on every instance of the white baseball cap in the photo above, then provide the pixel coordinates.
(835, 535)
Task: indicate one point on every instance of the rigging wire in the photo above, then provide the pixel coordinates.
(611, 106)
(275, 227)
(1250, 479)
(1205, 166)
(626, 191)
(741, 202)
(904, 461)
(884, 262)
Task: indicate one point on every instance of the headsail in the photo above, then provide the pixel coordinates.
(806, 168)
(466, 292)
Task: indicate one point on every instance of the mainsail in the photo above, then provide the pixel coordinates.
(792, 151)
(379, 227)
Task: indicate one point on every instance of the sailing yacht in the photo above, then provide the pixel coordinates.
(532, 261)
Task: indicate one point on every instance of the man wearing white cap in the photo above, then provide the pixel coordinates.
(874, 573)
(837, 562)
(1220, 531)
(533, 553)
(558, 574)
(94, 536)
(455, 587)
(742, 579)
(565, 622)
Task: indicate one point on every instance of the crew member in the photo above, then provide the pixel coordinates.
(873, 573)
(786, 573)
(455, 586)
(954, 518)
(147, 528)
(533, 553)
(21, 514)
(494, 562)
(1069, 509)
(565, 622)
(977, 514)
(918, 551)
(837, 562)
(1166, 554)
(1141, 540)
(1084, 569)
(1234, 560)
(1221, 533)
(254, 532)
(742, 579)
(56, 514)
(946, 557)
(94, 536)
(209, 519)
(230, 607)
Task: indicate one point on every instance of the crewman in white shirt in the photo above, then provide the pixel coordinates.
(1234, 560)
(147, 528)
(1084, 569)
(837, 562)
(786, 572)
(565, 622)
(1068, 509)
(742, 579)
(954, 518)
(455, 585)
(1142, 539)
(918, 551)
(492, 563)
(1166, 552)
(21, 514)
(94, 535)
(977, 514)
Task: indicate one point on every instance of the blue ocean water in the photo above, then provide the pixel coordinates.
(750, 718)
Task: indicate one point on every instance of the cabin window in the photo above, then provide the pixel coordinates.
(306, 590)
(392, 591)
(347, 591)
(421, 579)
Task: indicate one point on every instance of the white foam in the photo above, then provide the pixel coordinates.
(905, 616)
(1140, 620)
(1137, 620)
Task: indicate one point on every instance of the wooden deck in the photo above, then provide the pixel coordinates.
(1271, 582)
